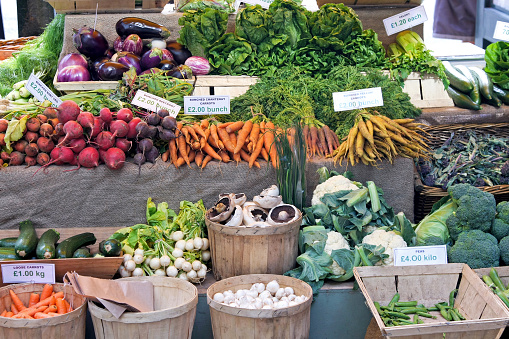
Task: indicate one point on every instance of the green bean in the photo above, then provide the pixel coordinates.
(453, 315)
(397, 315)
(416, 318)
(452, 297)
(405, 304)
(459, 314)
(502, 297)
(377, 306)
(443, 312)
(394, 300)
(496, 279)
(426, 315)
(411, 310)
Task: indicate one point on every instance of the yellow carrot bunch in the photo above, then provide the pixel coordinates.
(375, 137)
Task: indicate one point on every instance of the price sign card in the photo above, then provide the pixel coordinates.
(154, 103)
(26, 273)
(405, 20)
(421, 255)
(41, 92)
(207, 104)
(501, 31)
(368, 97)
(264, 3)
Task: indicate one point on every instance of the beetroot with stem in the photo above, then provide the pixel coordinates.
(72, 130)
(30, 161)
(43, 159)
(152, 155)
(16, 158)
(132, 128)
(105, 140)
(106, 115)
(42, 118)
(153, 119)
(114, 158)
(102, 152)
(20, 145)
(152, 132)
(50, 112)
(46, 130)
(169, 122)
(31, 136)
(59, 156)
(124, 144)
(45, 144)
(77, 145)
(33, 124)
(89, 157)
(59, 129)
(125, 114)
(145, 145)
(4, 123)
(142, 130)
(163, 113)
(86, 120)
(139, 159)
(67, 111)
(119, 128)
(98, 127)
(5, 156)
(31, 150)
(166, 134)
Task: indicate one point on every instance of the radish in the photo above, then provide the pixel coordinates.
(132, 128)
(33, 124)
(31, 150)
(31, 136)
(43, 159)
(16, 158)
(89, 157)
(119, 128)
(45, 144)
(72, 130)
(30, 161)
(77, 145)
(114, 158)
(67, 111)
(125, 114)
(105, 140)
(106, 115)
(86, 120)
(124, 144)
(98, 127)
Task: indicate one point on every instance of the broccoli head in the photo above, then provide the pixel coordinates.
(475, 248)
(499, 228)
(504, 249)
(476, 210)
(503, 211)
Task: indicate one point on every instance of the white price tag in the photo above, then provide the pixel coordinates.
(264, 3)
(154, 103)
(501, 31)
(405, 20)
(207, 104)
(421, 255)
(40, 91)
(26, 273)
(361, 98)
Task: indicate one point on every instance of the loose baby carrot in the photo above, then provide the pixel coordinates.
(256, 152)
(46, 291)
(214, 136)
(254, 135)
(40, 315)
(69, 308)
(233, 139)
(192, 155)
(9, 314)
(16, 301)
(225, 124)
(192, 133)
(34, 299)
(236, 126)
(46, 302)
(264, 154)
(3, 313)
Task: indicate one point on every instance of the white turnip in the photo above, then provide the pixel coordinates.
(138, 259)
(179, 262)
(196, 265)
(172, 271)
(198, 243)
(186, 266)
(138, 272)
(177, 235)
(177, 253)
(189, 245)
(127, 257)
(160, 272)
(205, 255)
(165, 261)
(139, 251)
(114, 158)
(130, 265)
(155, 263)
(181, 244)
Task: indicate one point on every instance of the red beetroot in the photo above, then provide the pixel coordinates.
(72, 130)
(42, 118)
(68, 111)
(101, 155)
(4, 123)
(119, 128)
(125, 114)
(43, 159)
(132, 128)
(30, 161)
(2, 141)
(105, 140)
(16, 158)
(89, 157)
(33, 124)
(1, 162)
(62, 142)
(60, 156)
(31, 149)
(59, 129)
(31, 136)
(98, 127)
(86, 120)
(50, 112)
(106, 115)
(20, 145)
(74, 161)
(77, 145)
(5, 156)
(124, 144)
(46, 130)
(45, 144)
(114, 158)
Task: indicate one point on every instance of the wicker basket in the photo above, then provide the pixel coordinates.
(426, 196)
(7, 47)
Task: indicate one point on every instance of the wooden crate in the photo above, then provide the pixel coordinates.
(486, 315)
(427, 91)
(104, 268)
(106, 6)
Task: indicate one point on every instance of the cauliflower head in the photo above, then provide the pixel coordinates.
(335, 241)
(333, 184)
(389, 240)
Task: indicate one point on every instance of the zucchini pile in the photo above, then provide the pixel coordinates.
(28, 246)
(471, 86)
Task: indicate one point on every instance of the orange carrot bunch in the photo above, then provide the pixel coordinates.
(44, 305)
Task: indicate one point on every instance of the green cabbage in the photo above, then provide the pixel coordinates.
(432, 230)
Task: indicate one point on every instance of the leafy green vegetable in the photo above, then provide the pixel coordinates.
(497, 63)
(251, 24)
(14, 131)
(221, 5)
(201, 28)
(231, 55)
(365, 50)
(289, 19)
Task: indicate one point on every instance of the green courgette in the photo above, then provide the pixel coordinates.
(457, 79)
(8, 253)
(67, 247)
(485, 83)
(502, 94)
(82, 252)
(475, 93)
(461, 99)
(46, 245)
(8, 242)
(27, 239)
(110, 247)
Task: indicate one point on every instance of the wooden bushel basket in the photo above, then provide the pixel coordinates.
(240, 323)
(70, 325)
(175, 303)
(238, 250)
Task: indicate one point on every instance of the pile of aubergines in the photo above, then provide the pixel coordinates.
(140, 44)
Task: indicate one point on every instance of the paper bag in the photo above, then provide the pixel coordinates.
(116, 295)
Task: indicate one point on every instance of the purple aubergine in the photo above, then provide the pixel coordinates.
(182, 72)
(180, 52)
(112, 71)
(117, 44)
(167, 65)
(199, 65)
(145, 29)
(90, 42)
(130, 60)
(166, 54)
(133, 44)
(151, 58)
(72, 59)
(73, 73)
(94, 67)
(110, 52)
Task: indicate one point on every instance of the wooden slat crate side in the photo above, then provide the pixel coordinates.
(425, 289)
(381, 289)
(413, 89)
